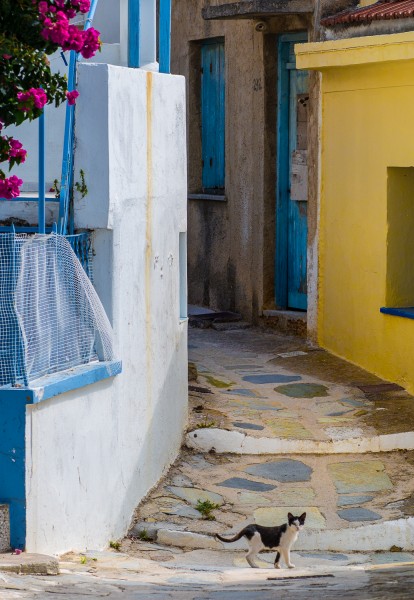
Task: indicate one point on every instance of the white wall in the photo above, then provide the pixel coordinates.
(94, 453)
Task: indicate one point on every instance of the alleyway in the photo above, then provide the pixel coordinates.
(275, 425)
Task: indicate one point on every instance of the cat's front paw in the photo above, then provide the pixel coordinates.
(291, 566)
(277, 566)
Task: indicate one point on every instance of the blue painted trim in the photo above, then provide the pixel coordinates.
(67, 156)
(59, 383)
(4, 229)
(68, 141)
(164, 51)
(406, 312)
(213, 115)
(282, 166)
(12, 465)
(91, 14)
(41, 176)
(29, 199)
(134, 23)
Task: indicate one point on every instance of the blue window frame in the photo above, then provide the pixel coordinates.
(213, 114)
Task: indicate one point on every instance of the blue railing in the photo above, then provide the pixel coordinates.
(68, 142)
(65, 223)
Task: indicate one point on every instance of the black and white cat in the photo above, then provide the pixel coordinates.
(279, 538)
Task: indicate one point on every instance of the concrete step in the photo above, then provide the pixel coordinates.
(391, 536)
(4, 528)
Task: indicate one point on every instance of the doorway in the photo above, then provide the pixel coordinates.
(292, 178)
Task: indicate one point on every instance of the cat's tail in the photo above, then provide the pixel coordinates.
(230, 540)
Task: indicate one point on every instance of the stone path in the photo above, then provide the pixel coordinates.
(249, 393)
(269, 387)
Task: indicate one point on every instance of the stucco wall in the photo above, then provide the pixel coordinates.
(367, 101)
(93, 454)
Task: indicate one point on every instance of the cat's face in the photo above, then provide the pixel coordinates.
(296, 523)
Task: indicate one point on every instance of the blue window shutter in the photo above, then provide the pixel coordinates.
(212, 114)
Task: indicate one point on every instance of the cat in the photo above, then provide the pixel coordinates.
(280, 538)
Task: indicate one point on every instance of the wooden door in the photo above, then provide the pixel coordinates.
(292, 180)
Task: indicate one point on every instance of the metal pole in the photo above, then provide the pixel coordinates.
(165, 36)
(133, 33)
(42, 183)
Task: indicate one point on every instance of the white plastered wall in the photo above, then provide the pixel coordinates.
(94, 453)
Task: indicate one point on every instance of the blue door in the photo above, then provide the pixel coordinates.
(292, 192)
(212, 114)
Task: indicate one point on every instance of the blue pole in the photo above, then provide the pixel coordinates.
(91, 14)
(133, 33)
(165, 36)
(42, 195)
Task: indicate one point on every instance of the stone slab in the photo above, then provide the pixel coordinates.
(271, 516)
(359, 476)
(358, 514)
(271, 378)
(293, 496)
(29, 564)
(303, 390)
(252, 498)
(246, 484)
(289, 429)
(349, 500)
(193, 495)
(242, 392)
(253, 426)
(287, 470)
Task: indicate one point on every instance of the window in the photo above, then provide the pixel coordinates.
(212, 115)
(400, 242)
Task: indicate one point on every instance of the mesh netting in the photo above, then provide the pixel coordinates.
(51, 318)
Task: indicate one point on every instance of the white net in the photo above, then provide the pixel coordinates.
(51, 313)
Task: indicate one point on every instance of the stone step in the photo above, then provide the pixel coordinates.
(286, 321)
(4, 528)
(395, 536)
(224, 441)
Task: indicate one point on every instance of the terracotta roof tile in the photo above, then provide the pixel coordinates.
(384, 9)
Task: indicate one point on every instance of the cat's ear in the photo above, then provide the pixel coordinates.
(290, 517)
(302, 517)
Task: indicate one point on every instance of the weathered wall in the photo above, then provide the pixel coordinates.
(232, 244)
(367, 86)
(94, 453)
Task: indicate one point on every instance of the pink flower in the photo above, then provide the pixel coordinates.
(71, 96)
(7, 56)
(75, 39)
(34, 98)
(43, 7)
(91, 43)
(82, 5)
(17, 151)
(10, 188)
(56, 31)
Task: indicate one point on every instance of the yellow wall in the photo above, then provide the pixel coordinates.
(367, 131)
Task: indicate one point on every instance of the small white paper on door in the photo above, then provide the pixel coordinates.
(299, 176)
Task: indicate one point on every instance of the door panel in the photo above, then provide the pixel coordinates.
(292, 179)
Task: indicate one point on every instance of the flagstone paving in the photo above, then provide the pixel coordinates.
(321, 401)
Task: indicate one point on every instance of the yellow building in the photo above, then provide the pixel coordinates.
(366, 223)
